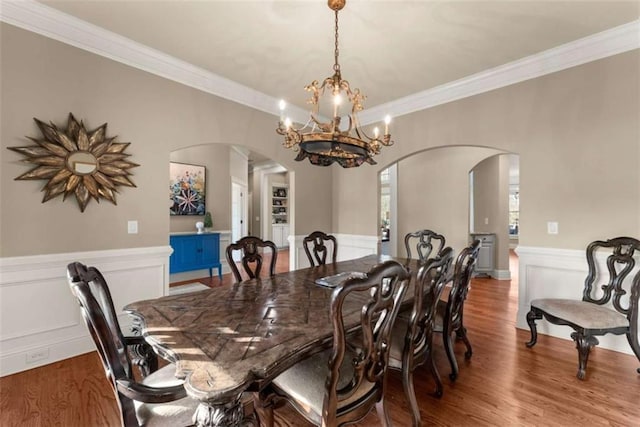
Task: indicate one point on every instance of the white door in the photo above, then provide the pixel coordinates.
(238, 214)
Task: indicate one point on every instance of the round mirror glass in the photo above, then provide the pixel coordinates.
(82, 163)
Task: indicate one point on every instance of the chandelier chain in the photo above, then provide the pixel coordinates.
(336, 65)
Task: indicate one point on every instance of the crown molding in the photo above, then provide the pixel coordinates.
(49, 22)
(591, 48)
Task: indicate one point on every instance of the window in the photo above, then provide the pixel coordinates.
(514, 211)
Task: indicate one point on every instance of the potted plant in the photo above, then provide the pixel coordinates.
(208, 222)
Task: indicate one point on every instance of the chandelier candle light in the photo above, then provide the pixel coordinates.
(325, 142)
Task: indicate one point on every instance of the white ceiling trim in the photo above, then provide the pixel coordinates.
(591, 48)
(49, 22)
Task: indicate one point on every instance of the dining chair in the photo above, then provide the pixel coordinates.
(449, 313)
(412, 341)
(159, 399)
(604, 307)
(250, 248)
(320, 250)
(343, 383)
(422, 239)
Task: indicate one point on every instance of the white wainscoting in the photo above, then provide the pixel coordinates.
(350, 246)
(558, 273)
(40, 320)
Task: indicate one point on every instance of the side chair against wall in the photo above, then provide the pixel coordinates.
(600, 311)
(250, 247)
(449, 314)
(412, 336)
(422, 240)
(160, 398)
(320, 249)
(342, 384)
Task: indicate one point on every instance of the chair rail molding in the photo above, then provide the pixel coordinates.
(40, 321)
(558, 273)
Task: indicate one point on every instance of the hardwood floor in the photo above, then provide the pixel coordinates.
(504, 383)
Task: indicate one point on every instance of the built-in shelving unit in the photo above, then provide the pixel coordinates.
(280, 214)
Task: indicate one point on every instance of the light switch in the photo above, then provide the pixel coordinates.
(552, 227)
(132, 227)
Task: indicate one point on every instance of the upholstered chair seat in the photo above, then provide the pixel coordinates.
(583, 314)
(305, 383)
(610, 301)
(176, 413)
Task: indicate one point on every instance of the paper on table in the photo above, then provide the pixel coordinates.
(336, 279)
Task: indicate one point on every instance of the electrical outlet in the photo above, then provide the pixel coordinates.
(486, 221)
(552, 227)
(132, 227)
(39, 354)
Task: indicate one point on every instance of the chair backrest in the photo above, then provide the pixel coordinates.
(320, 250)
(430, 282)
(462, 272)
(619, 263)
(424, 245)
(251, 257)
(382, 291)
(91, 290)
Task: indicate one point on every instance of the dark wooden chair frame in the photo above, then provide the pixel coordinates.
(386, 285)
(320, 250)
(424, 245)
(451, 312)
(96, 305)
(418, 340)
(250, 245)
(623, 249)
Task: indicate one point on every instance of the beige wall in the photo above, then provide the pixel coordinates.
(576, 132)
(46, 79)
(433, 193)
(578, 138)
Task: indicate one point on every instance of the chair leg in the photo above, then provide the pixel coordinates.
(436, 376)
(448, 346)
(532, 316)
(461, 333)
(383, 415)
(409, 391)
(263, 407)
(583, 344)
(632, 337)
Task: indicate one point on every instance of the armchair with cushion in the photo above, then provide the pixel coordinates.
(342, 384)
(609, 302)
(159, 399)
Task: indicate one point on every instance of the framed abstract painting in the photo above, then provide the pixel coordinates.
(186, 189)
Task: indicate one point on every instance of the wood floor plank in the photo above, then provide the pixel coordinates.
(503, 384)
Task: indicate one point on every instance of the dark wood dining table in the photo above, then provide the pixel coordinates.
(233, 339)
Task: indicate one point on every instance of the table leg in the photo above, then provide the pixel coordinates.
(223, 414)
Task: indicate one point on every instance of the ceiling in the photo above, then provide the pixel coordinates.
(388, 49)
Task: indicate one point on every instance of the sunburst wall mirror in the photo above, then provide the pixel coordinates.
(76, 161)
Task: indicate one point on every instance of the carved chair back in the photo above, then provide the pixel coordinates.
(430, 282)
(91, 290)
(252, 259)
(384, 288)
(423, 243)
(320, 249)
(462, 272)
(619, 263)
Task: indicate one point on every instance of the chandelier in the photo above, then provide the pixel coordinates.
(325, 142)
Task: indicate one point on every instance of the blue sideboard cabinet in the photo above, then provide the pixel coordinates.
(195, 252)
